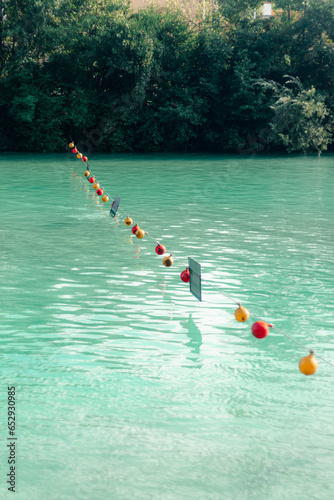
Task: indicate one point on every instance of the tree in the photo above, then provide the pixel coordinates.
(289, 5)
(234, 10)
(300, 120)
(159, 79)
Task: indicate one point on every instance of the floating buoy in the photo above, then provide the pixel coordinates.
(128, 221)
(241, 314)
(71, 145)
(160, 249)
(260, 329)
(135, 229)
(140, 233)
(79, 155)
(92, 180)
(96, 185)
(87, 173)
(185, 276)
(74, 150)
(99, 192)
(168, 261)
(105, 198)
(309, 364)
(84, 158)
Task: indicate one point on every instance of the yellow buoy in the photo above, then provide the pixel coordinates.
(241, 314)
(140, 233)
(71, 145)
(79, 155)
(309, 364)
(96, 185)
(168, 260)
(87, 173)
(128, 221)
(105, 198)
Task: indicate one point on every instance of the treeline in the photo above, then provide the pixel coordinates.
(159, 80)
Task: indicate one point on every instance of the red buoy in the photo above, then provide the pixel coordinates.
(84, 158)
(260, 329)
(92, 180)
(135, 229)
(99, 192)
(74, 150)
(185, 276)
(160, 249)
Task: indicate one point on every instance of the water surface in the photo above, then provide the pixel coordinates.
(127, 386)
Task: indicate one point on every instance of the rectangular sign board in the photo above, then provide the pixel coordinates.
(114, 206)
(195, 278)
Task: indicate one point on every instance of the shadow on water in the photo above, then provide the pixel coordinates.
(194, 335)
(195, 341)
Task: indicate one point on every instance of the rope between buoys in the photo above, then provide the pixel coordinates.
(226, 294)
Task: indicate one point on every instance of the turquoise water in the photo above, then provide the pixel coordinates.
(129, 388)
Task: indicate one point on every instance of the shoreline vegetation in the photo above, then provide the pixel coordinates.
(167, 78)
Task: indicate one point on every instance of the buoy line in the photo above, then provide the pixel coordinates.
(308, 365)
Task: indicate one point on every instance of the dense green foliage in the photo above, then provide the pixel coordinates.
(154, 80)
(300, 117)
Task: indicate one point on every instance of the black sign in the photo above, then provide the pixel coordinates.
(195, 278)
(114, 206)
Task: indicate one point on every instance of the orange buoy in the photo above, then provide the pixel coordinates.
(128, 221)
(241, 314)
(79, 155)
(260, 329)
(309, 364)
(96, 185)
(168, 261)
(105, 198)
(140, 233)
(71, 145)
(87, 173)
